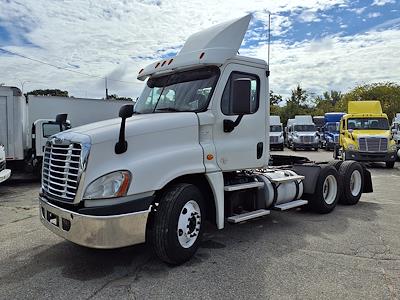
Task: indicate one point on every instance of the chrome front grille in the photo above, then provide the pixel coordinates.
(306, 139)
(373, 144)
(61, 171)
(273, 140)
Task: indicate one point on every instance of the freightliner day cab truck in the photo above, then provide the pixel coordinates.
(26, 123)
(302, 133)
(195, 148)
(4, 173)
(365, 134)
(330, 130)
(276, 140)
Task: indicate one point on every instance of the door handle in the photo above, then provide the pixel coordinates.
(260, 149)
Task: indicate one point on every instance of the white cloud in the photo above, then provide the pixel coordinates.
(337, 63)
(374, 15)
(383, 2)
(117, 38)
(358, 11)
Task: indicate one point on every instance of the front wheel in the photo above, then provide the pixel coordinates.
(178, 223)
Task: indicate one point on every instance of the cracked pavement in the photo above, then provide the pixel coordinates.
(353, 252)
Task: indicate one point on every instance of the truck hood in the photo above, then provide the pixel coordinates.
(305, 133)
(371, 133)
(140, 124)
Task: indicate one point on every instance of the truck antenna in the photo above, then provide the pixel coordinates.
(269, 38)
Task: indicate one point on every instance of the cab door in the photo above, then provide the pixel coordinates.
(245, 145)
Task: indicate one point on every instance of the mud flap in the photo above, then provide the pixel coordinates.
(367, 181)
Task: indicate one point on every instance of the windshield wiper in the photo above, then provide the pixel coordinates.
(167, 109)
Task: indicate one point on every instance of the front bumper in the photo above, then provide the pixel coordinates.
(368, 156)
(306, 145)
(276, 145)
(104, 232)
(4, 175)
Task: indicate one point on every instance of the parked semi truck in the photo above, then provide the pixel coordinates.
(302, 133)
(396, 130)
(4, 173)
(194, 148)
(26, 123)
(276, 139)
(365, 134)
(330, 130)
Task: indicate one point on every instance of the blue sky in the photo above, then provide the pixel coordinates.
(117, 38)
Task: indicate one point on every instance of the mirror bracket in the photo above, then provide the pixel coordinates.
(230, 125)
(125, 112)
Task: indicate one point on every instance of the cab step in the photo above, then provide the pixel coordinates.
(248, 216)
(243, 186)
(290, 205)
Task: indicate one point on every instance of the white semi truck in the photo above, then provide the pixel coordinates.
(276, 139)
(396, 130)
(26, 123)
(302, 133)
(194, 148)
(4, 173)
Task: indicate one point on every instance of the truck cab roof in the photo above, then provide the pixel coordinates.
(212, 46)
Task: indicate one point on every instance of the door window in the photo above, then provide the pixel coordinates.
(227, 96)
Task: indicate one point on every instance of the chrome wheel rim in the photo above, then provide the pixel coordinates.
(189, 224)
(355, 183)
(329, 189)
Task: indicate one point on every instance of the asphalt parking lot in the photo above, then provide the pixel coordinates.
(352, 253)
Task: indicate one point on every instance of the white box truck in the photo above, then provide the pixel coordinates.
(303, 133)
(194, 148)
(276, 140)
(4, 173)
(26, 123)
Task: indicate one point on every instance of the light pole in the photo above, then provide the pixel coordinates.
(22, 85)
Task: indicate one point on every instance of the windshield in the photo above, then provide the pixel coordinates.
(332, 127)
(183, 91)
(304, 128)
(275, 128)
(368, 123)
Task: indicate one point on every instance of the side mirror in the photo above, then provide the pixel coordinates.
(241, 96)
(125, 112)
(61, 118)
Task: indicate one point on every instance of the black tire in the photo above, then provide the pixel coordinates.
(390, 164)
(316, 201)
(346, 170)
(316, 149)
(336, 164)
(163, 233)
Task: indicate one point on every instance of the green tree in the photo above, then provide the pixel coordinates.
(274, 99)
(388, 93)
(49, 92)
(116, 97)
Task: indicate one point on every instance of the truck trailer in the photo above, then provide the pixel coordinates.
(195, 148)
(365, 134)
(26, 123)
(276, 139)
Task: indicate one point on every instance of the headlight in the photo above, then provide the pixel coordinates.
(352, 147)
(111, 185)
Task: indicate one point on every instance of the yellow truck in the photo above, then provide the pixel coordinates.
(365, 134)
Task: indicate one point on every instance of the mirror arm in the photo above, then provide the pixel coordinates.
(230, 125)
(122, 144)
